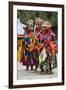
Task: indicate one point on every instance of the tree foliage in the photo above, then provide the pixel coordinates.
(25, 15)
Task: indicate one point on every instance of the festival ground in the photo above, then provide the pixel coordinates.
(22, 74)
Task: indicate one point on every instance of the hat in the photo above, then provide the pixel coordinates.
(46, 24)
(39, 21)
(30, 22)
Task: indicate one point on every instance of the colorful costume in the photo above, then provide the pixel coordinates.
(53, 48)
(35, 56)
(27, 53)
(27, 30)
(37, 29)
(47, 35)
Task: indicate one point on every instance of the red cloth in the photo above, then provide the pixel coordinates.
(37, 30)
(38, 35)
(27, 30)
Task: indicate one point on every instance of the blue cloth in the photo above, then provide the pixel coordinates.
(27, 40)
(28, 54)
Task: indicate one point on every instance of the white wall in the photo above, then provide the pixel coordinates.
(4, 44)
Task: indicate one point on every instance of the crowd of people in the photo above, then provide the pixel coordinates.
(39, 46)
